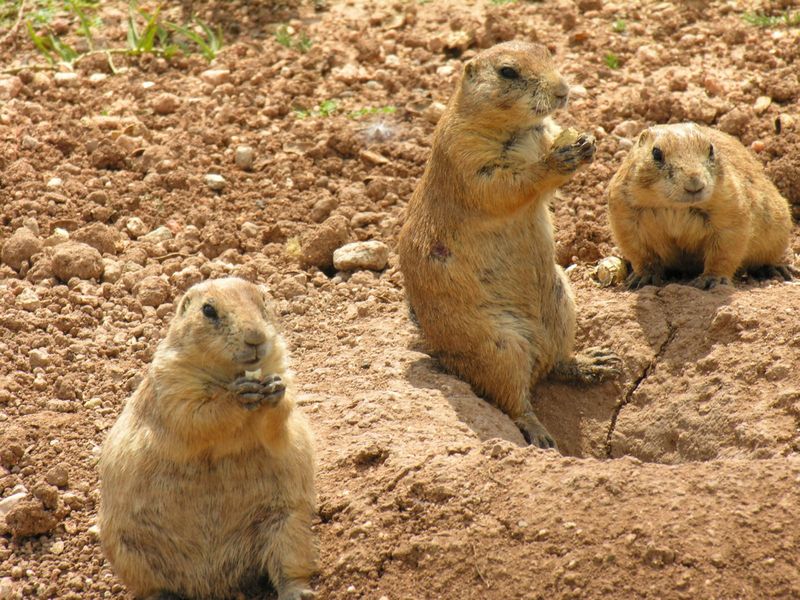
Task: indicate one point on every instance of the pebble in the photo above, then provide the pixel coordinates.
(57, 476)
(434, 112)
(29, 143)
(28, 300)
(136, 227)
(153, 291)
(57, 547)
(97, 77)
(7, 590)
(372, 255)
(28, 518)
(9, 502)
(112, 270)
(10, 88)
(66, 79)
(38, 358)
(216, 76)
(762, 104)
(244, 157)
(166, 103)
(318, 245)
(159, 234)
(94, 532)
(19, 248)
(76, 259)
(59, 236)
(215, 182)
(54, 182)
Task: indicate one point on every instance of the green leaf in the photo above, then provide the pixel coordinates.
(39, 42)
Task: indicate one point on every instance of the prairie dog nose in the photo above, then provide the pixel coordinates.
(694, 184)
(254, 336)
(561, 90)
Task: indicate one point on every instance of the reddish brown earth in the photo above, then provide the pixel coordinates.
(681, 480)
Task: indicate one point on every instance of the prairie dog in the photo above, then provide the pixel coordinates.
(693, 199)
(477, 249)
(207, 477)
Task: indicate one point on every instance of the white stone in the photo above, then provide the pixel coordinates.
(215, 182)
(66, 79)
(762, 104)
(28, 300)
(159, 234)
(8, 503)
(372, 255)
(55, 182)
(216, 77)
(136, 227)
(39, 357)
(245, 155)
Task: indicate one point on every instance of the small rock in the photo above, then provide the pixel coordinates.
(76, 259)
(434, 112)
(57, 476)
(29, 143)
(48, 494)
(10, 88)
(28, 518)
(97, 77)
(136, 227)
(166, 103)
(59, 236)
(54, 182)
(99, 236)
(244, 157)
(28, 300)
(7, 589)
(216, 76)
(374, 158)
(159, 234)
(94, 532)
(66, 79)
(112, 270)
(39, 357)
(8, 503)
(627, 129)
(762, 104)
(153, 291)
(215, 182)
(318, 245)
(57, 547)
(372, 255)
(19, 248)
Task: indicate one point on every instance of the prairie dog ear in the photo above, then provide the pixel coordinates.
(644, 137)
(186, 300)
(470, 69)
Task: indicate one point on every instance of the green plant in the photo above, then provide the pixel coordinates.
(372, 110)
(284, 35)
(788, 18)
(326, 108)
(147, 33)
(619, 26)
(612, 60)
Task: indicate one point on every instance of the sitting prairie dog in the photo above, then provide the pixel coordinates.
(207, 477)
(477, 250)
(692, 199)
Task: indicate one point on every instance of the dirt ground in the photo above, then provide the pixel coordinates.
(681, 480)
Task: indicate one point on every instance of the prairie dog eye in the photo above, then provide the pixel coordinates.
(711, 152)
(210, 312)
(509, 73)
(658, 155)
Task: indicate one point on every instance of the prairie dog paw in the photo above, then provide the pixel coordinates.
(707, 282)
(569, 157)
(253, 393)
(534, 432)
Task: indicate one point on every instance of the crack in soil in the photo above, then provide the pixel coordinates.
(648, 370)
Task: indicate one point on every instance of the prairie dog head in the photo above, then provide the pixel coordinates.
(225, 328)
(513, 82)
(674, 164)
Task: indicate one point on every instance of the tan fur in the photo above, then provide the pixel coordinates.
(735, 220)
(201, 496)
(477, 250)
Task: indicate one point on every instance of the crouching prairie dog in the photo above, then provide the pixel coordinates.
(477, 250)
(207, 477)
(692, 199)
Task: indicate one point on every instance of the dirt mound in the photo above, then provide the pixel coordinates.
(117, 192)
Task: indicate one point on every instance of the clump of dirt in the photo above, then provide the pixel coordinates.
(119, 191)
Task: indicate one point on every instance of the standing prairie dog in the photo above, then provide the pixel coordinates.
(207, 477)
(477, 249)
(692, 199)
